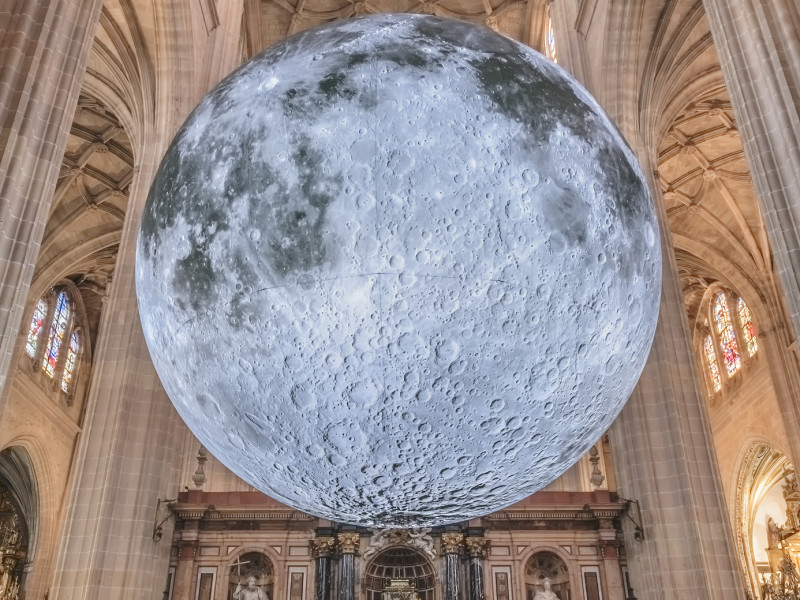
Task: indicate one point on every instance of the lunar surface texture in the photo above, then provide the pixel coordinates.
(399, 271)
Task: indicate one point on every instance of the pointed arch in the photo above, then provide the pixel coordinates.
(762, 467)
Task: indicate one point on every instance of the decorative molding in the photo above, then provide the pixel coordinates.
(416, 538)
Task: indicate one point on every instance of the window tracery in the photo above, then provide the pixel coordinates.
(727, 337)
(69, 366)
(711, 363)
(35, 330)
(748, 327)
(550, 39)
(55, 338)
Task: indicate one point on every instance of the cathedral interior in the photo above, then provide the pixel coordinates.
(691, 494)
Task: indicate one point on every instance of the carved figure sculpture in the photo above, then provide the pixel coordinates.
(251, 592)
(546, 594)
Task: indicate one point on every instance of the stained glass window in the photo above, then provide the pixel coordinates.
(727, 338)
(748, 328)
(550, 39)
(37, 322)
(711, 363)
(69, 366)
(56, 336)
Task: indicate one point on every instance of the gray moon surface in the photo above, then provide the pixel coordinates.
(398, 271)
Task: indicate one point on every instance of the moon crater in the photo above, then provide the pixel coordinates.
(398, 270)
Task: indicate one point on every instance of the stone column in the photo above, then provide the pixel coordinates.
(131, 447)
(348, 544)
(451, 548)
(44, 48)
(759, 53)
(476, 547)
(323, 547)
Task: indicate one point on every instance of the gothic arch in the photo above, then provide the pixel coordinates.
(18, 478)
(762, 467)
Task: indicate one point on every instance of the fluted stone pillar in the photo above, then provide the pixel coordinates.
(759, 52)
(323, 547)
(451, 548)
(348, 545)
(132, 444)
(476, 547)
(44, 48)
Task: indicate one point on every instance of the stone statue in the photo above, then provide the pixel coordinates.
(251, 592)
(546, 594)
(774, 534)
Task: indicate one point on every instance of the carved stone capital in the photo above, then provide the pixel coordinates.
(452, 541)
(476, 546)
(187, 549)
(323, 546)
(609, 548)
(348, 542)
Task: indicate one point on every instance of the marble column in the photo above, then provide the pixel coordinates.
(323, 547)
(44, 48)
(476, 547)
(451, 548)
(348, 545)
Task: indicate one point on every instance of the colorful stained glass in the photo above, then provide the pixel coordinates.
(35, 331)
(72, 359)
(727, 338)
(56, 336)
(748, 328)
(550, 39)
(711, 363)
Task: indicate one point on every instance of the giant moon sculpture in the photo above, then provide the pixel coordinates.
(398, 270)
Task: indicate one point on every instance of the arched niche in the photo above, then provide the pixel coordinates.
(399, 563)
(18, 518)
(252, 563)
(542, 566)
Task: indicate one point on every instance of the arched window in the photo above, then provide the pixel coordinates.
(35, 330)
(748, 328)
(71, 363)
(55, 338)
(727, 337)
(711, 363)
(56, 341)
(550, 38)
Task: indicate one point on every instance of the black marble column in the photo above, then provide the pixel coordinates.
(323, 546)
(476, 546)
(451, 547)
(348, 543)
